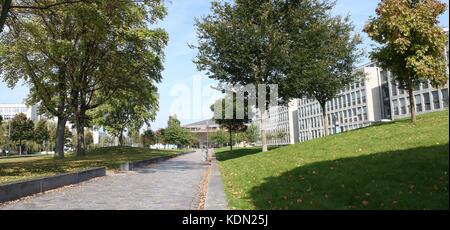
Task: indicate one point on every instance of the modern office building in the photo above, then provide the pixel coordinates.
(372, 99)
(279, 126)
(8, 111)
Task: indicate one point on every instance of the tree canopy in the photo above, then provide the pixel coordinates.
(175, 134)
(21, 129)
(78, 56)
(412, 44)
(323, 55)
(242, 43)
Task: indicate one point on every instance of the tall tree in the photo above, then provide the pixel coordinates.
(234, 124)
(219, 138)
(148, 138)
(242, 43)
(7, 7)
(41, 133)
(323, 53)
(159, 136)
(412, 43)
(2, 133)
(175, 134)
(21, 129)
(78, 56)
(67, 136)
(252, 133)
(89, 138)
(128, 111)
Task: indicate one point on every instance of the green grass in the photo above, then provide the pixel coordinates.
(18, 169)
(392, 166)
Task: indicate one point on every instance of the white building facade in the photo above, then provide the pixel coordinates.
(8, 111)
(373, 99)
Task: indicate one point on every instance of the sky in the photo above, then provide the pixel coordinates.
(186, 92)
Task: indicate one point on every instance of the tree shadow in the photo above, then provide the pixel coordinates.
(236, 153)
(406, 179)
(18, 169)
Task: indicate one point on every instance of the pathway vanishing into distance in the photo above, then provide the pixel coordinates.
(171, 184)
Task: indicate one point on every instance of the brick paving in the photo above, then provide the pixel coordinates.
(169, 185)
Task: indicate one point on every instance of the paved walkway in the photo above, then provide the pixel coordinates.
(215, 196)
(172, 184)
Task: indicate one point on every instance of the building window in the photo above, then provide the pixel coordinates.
(365, 113)
(349, 100)
(345, 116)
(358, 97)
(395, 106)
(436, 100)
(394, 88)
(360, 115)
(418, 100)
(384, 76)
(403, 106)
(353, 99)
(445, 97)
(363, 95)
(427, 101)
(343, 101)
(425, 85)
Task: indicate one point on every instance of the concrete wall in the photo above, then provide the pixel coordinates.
(13, 191)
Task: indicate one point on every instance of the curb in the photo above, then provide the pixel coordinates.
(14, 191)
(215, 195)
(131, 166)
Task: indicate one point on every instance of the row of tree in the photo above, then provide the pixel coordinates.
(302, 48)
(21, 129)
(173, 134)
(223, 138)
(88, 62)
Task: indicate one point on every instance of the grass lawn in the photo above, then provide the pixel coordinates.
(17, 169)
(392, 166)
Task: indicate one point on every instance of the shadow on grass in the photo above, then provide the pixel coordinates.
(110, 157)
(407, 179)
(236, 153)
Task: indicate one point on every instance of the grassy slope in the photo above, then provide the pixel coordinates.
(16, 169)
(391, 166)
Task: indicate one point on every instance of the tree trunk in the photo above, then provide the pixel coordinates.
(263, 130)
(81, 147)
(231, 139)
(20, 147)
(60, 138)
(121, 138)
(4, 14)
(412, 104)
(325, 119)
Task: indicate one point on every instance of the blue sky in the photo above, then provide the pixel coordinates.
(184, 90)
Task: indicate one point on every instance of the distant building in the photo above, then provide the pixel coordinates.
(202, 129)
(8, 111)
(97, 135)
